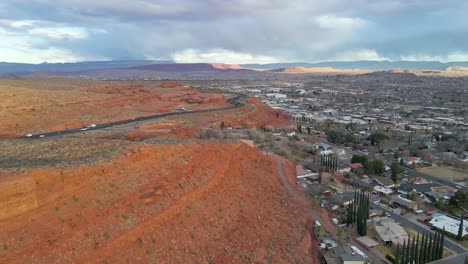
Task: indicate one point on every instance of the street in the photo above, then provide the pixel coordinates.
(233, 101)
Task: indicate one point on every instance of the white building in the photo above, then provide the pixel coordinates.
(451, 225)
(277, 95)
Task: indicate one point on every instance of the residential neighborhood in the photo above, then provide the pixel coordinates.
(407, 155)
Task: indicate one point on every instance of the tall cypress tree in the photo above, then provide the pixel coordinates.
(441, 246)
(421, 254)
(348, 219)
(397, 255)
(460, 229)
(422, 258)
(408, 251)
(403, 253)
(435, 246)
(429, 247)
(413, 251)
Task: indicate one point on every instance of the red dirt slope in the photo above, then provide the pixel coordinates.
(42, 105)
(188, 203)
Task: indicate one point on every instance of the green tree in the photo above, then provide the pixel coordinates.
(460, 229)
(422, 255)
(347, 239)
(318, 230)
(459, 199)
(359, 159)
(299, 128)
(222, 125)
(340, 234)
(335, 136)
(441, 246)
(413, 251)
(395, 170)
(397, 255)
(375, 166)
(350, 138)
(377, 138)
(429, 248)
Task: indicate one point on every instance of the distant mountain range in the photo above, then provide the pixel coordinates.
(155, 70)
(6, 67)
(363, 65)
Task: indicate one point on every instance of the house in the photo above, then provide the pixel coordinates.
(420, 180)
(367, 242)
(441, 193)
(344, 254)
(356, 167)
(385, 182)
(276, 95)
(406, 203)
(344, 199)
(340, 152)
(390, 232)
(382, 190)
(322, 146)
(429, 144)
(358, 183)
(406, 189)
(449, 223)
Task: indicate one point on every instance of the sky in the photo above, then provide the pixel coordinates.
(233, 31)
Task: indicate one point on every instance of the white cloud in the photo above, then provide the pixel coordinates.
(451, 57)
(4, 32)
(339, 23)
(20, 49)
(50, 54)
(18, 24)
(58, 33)
(362, 54)
(220, 56)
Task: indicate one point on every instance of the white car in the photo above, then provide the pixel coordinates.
(84, 129)
(41, 136)
(28, 135)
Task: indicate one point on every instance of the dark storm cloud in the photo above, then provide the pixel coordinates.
(294, 30)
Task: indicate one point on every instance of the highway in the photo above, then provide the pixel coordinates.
(418, 228)
(434, 179)
(235, 103)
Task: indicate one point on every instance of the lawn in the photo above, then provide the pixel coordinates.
(446, 173)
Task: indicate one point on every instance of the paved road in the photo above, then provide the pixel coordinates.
(235, 103)
(434, 179)
(419, 228)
